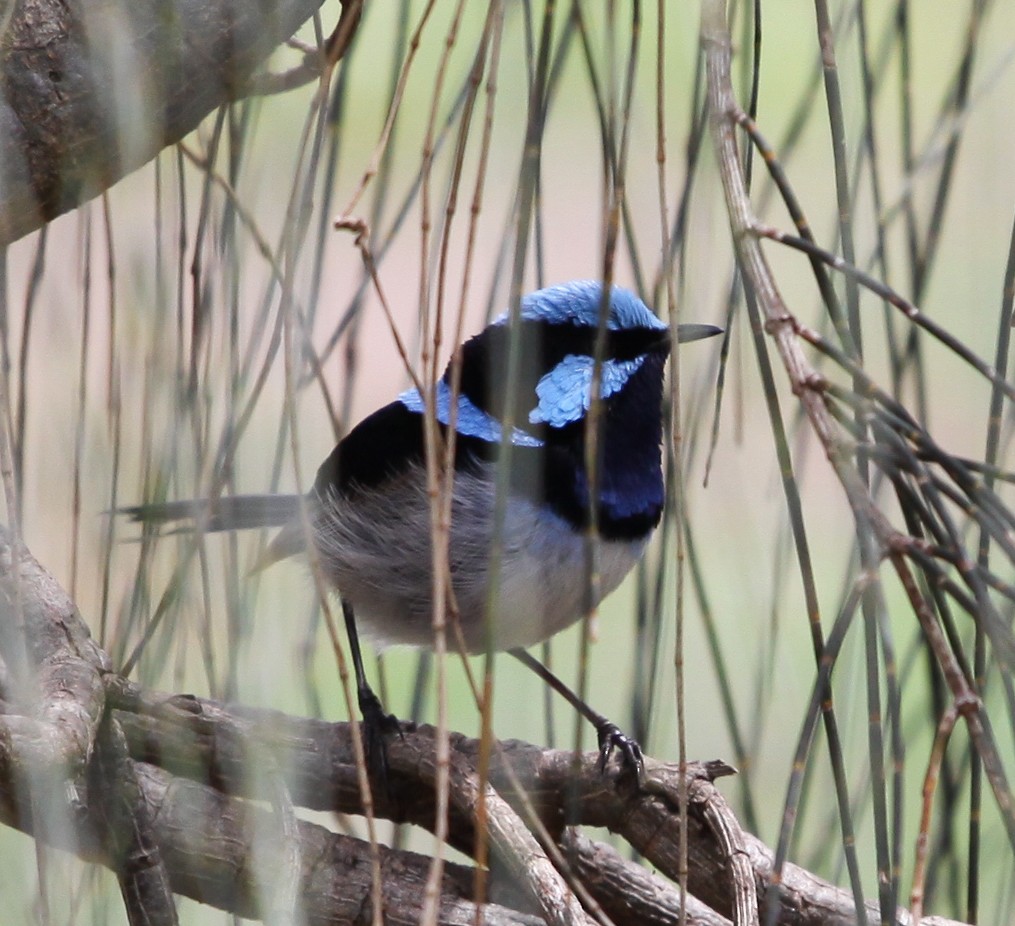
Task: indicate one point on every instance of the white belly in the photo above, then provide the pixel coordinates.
(377, 552)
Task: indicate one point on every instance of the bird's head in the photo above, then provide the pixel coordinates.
(538, 371)
(552, 374)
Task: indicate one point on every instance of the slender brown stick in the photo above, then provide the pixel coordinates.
(930, 780)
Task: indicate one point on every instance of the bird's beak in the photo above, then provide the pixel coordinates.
(687, 333)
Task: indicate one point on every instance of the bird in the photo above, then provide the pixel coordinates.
(521, 425)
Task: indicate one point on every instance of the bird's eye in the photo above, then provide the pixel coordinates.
(631, 343)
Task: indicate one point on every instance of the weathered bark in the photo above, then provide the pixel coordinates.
(201, 739)
(92, 89)
(169, 791)
(53, 694)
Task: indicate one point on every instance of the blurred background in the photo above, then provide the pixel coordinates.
(204, 327)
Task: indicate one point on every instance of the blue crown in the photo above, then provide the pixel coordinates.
(578, 303)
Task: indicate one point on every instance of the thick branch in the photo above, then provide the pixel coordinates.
(211, 840)
(54, 692)
(210, 742)
(92, 89)
(224, 852)
(129, 832)
(628, 891)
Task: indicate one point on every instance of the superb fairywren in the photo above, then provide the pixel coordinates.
(370, 512)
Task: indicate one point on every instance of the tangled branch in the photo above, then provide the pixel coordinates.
(182, 794)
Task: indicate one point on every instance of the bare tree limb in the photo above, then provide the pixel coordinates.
(215, 852)
(185, 796)
(92, 89)
(129, 834)
(725, 828)
(211, 742)
(218, 855)
(54, 689)
(628, 890)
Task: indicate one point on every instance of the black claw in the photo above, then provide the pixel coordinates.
(186, 702)
(377, 726)
(612, 737)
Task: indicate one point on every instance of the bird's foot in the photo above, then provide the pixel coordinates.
(611, 737)
(376, 728)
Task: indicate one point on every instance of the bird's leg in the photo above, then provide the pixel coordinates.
(376, 724)
(610, 735)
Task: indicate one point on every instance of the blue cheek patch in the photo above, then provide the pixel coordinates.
(565, 393)
(471, 421)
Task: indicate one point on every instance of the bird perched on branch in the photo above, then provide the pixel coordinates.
(369, 511)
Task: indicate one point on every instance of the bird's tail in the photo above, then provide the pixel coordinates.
(233, 513)
(228, 513)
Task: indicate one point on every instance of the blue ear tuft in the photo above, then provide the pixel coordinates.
(565, 393)
(577, 303)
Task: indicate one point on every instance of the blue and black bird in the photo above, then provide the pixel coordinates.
(370, 514)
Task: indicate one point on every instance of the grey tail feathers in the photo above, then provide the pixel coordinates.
(228, 513)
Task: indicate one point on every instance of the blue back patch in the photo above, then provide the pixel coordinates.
(471, 421)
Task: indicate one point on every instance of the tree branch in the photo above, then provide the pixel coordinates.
(173, 780)
(53, 689)
(129, 835)
(93, 89)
